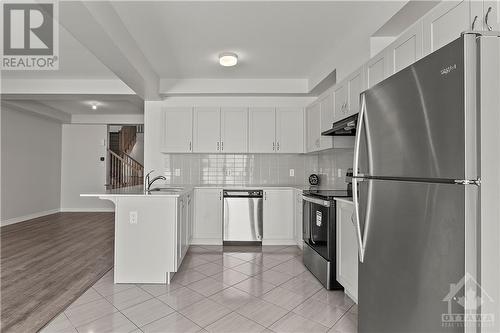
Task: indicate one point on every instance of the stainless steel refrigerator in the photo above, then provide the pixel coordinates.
(417, 187)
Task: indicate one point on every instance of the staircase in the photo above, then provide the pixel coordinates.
(123, 169)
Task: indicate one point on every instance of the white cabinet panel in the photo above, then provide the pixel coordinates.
(347, 250)
(326, 105)
(234, 130)
(298, 218)
(177, 130)
(340, 101)
(262, 130)
(407, 48)
(290, 130)
(445, 23)
(208, 216)
(206, 130)
(313, 118)
(278, 223)
(492, 10)
(355, 84)
(377, 68)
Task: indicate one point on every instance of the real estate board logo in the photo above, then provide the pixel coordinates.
(30, 36)
(466, 302)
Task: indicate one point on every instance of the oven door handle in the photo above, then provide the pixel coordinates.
(324, 203)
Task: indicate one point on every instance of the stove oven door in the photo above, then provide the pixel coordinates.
(317, 233)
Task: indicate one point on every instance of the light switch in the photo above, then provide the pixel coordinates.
(292, 172)
(132, 216)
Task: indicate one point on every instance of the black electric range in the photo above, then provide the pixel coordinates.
(319, 234)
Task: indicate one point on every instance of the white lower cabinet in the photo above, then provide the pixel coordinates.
(207, 216)
(278, 217)
(298, 218)
(347, 249)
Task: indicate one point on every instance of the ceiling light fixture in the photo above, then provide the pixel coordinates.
(228, 59)
(94, 106)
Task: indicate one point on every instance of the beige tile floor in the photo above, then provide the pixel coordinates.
(235, 289)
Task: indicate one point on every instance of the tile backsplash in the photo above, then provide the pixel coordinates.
(244, 169)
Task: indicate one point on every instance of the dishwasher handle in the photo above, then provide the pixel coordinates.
(243, 193)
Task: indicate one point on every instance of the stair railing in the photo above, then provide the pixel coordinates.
(123, 171)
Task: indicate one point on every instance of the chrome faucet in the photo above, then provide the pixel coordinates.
(148, 183)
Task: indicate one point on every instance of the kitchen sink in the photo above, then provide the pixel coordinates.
(167, 189)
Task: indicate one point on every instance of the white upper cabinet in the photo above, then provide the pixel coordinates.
(262, 127)
(445, 22)
(234, 130)
(355, 85)
(177, 129)
(206, 130)
(326, 105)
(340, 101)
(313, 118)
(407, 48)
(278, 217)
(377, 69)
(289, 130)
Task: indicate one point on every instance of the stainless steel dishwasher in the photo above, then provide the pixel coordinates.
(242, 217)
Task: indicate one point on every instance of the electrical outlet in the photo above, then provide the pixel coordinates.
(228, 172)
(132, 216)
(292, 172)
(339, 173)
(177, 172)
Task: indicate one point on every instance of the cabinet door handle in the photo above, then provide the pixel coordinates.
(222, 145)
(218, 145)
(190, 146)
(474, 22)
(488, 26)
(278, 146)
(274, 146)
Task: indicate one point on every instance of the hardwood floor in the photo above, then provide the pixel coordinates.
(47, 262)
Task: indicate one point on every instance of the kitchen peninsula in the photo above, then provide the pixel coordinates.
(151, 232)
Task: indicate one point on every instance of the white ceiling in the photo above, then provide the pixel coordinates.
(82, 104)
(283, 39)
(273, 39)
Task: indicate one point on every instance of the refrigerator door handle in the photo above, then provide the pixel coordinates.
(356, 178)
(357, 225)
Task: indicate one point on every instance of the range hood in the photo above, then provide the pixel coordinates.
(344, 127)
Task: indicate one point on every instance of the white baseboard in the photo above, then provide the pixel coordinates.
(206, 241)
(86, 210)
(279, 242)
(28, 217)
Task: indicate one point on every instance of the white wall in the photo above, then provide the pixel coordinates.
(137, 152)
(81, 168)
(31, 166)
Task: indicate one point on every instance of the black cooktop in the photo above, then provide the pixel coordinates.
(327, 194)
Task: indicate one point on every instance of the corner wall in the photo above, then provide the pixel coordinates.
(82, 171)
(31, 166)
